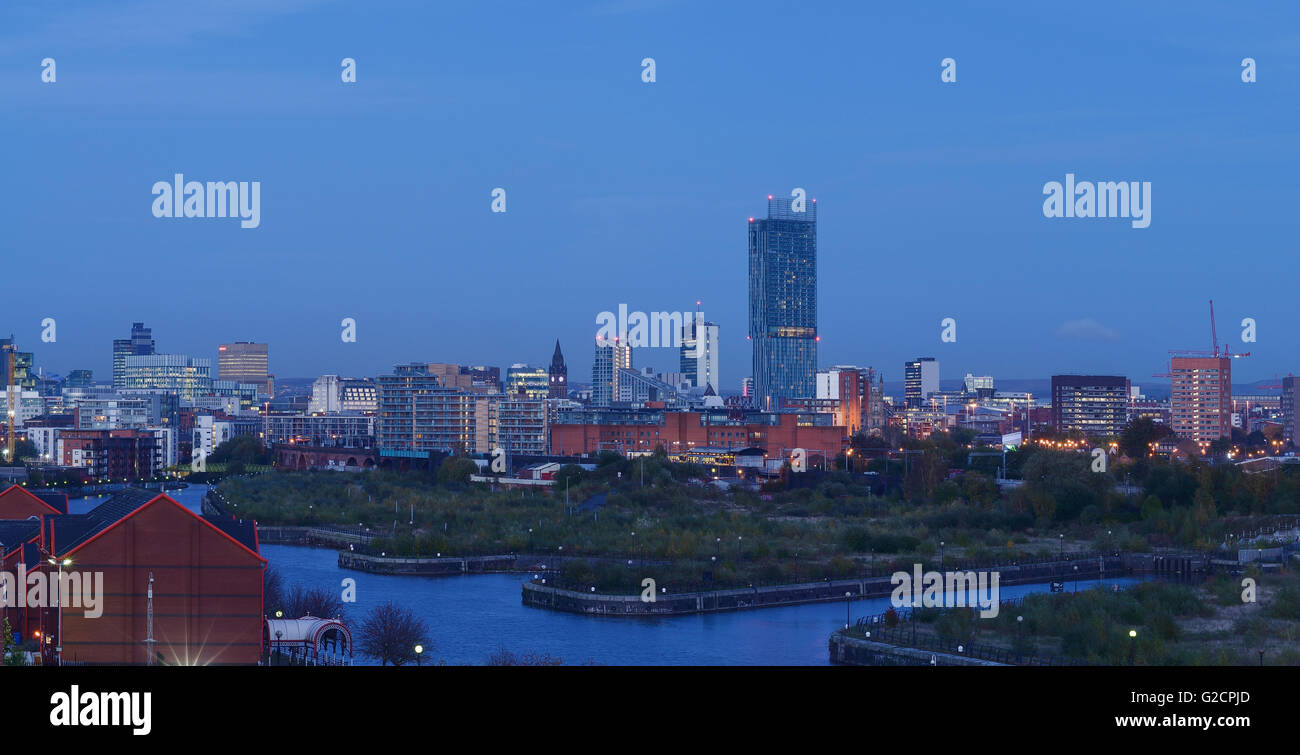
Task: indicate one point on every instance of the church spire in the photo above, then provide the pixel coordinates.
(559, 374)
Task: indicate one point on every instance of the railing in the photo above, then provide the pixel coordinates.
(877, 629)
(1036, 569)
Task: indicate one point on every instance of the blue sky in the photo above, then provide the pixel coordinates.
(376, 195)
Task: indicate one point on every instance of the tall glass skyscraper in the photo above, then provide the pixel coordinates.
(783, 302)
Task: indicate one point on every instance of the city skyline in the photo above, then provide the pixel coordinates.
(932, 191)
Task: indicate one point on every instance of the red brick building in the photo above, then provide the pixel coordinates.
(20, 503)
(1200, 402)
(110, 454)
(207, 583)
(681, 431)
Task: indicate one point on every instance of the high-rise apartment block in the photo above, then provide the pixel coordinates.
(783, 301)
(1200, 404)
(611, 356)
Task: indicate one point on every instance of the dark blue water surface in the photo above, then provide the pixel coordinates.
(470, 617)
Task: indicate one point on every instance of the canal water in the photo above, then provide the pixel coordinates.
(470, 617)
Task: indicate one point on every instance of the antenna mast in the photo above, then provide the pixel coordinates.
(149, 641)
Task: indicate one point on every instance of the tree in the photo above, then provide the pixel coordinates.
(272, 591)
(1137, 436)
(312, 601)
(241, 450)
(23, 449)
(390, 633)
(570, 473)
(1152, 508)
(456, 469)
(10, 652)
(1204, 508)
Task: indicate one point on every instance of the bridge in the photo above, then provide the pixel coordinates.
(298, 456)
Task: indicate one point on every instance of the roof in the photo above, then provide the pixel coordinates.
(59, 501)
(307, 629)
(74, 530)
(15, 531)
(242, 531)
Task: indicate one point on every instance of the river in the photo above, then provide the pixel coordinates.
(470, 617)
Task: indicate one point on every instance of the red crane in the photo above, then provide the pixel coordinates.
(1214, 339)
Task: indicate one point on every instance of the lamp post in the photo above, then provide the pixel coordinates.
(1020, 635)
(847, 595)
(60, 563)
(1132, 644)
(941, 554)
(1076, 578)
(419, 650)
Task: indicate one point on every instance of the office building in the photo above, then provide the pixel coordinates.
(979, 386)
(699, 354)
(639, 386)
(1096, 405)
(140, 343)
(245, 362)
(141, 340)
(783, 302)
(186, 376)
(921, 378)
(1288, 409)
(79, 380)
(23, 361)
(529, 382)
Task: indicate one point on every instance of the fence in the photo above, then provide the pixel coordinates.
(876, 628)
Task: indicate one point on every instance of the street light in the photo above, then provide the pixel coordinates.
(847, 595)
(58, 649)
(1020, 623)
(419, 650)
(1132, 644)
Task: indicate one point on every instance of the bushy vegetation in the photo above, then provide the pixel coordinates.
(830, 524)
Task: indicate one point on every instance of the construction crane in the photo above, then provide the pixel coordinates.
(1277, 383)
(1214, 339)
